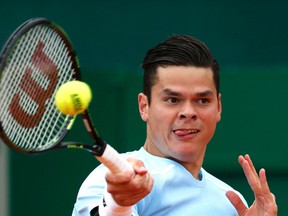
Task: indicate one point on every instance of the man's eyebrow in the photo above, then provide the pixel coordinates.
(205, 93)
(170, 92)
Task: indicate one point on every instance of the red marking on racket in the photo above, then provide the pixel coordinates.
(42, 62)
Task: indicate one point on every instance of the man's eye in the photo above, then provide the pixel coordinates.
(203, 101)
(172, 100)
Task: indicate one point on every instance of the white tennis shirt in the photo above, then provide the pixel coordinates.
(175, 191)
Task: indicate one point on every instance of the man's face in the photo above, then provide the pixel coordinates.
(183, 113)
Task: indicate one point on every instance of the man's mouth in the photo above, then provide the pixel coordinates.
(185, 132)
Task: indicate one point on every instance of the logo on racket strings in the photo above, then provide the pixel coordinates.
(36, 92)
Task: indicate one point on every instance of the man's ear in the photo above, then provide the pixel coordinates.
(143, 106)
(219, 107)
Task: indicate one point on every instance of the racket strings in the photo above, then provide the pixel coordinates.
(35, 135)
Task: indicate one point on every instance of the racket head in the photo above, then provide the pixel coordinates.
(35, 61)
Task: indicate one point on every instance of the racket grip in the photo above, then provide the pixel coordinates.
(113, 161)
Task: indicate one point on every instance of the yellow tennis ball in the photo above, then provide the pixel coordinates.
(73, 97)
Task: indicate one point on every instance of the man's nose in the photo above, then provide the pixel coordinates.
(188, 111)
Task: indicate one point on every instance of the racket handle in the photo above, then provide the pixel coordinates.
(113, 161)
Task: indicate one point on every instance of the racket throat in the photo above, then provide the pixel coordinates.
(98, 150)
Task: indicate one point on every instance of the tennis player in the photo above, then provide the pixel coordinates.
(181, 105)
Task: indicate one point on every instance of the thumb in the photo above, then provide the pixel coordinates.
(236, 202)
(138, 166)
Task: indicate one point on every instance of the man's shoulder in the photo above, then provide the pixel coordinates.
(215, 181)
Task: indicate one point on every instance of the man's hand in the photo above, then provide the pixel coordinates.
(129, 187)
(265, 203)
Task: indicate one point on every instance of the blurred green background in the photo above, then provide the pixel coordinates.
(248, 38)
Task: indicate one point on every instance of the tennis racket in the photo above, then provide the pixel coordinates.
(35, 61)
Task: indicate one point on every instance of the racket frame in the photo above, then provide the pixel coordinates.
(100, 145)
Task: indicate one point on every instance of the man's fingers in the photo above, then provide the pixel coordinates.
(115, 178)
(251, 174)
(124, 177)
(263, 181)
(270, 200)
(248, 159)
(242, 159)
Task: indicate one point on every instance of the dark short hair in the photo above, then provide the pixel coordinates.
(177, 50)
